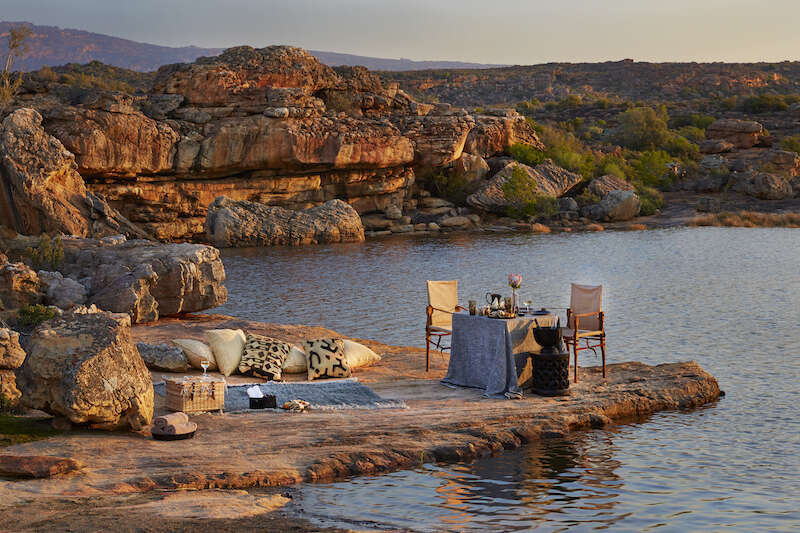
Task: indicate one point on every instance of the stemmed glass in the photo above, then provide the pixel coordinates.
(527, 305)
(204, 364)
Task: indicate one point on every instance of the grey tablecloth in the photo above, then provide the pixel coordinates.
(483, 349)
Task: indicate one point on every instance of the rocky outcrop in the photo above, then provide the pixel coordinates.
(163, 357)
(64, 293)
(607, 183)
(144, 279)
(272, 126)
(11, 357)
(616, 206)
(19, 285)
(86, 368)
(763, 186)
(40, 188)
(36, 466)
(550, 180)
(236, 224)
(470, 168)
(739, 133)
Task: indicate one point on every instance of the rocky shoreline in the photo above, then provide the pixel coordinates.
(440, 424)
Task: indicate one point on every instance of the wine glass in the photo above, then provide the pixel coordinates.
(527, 305)
(204, 364)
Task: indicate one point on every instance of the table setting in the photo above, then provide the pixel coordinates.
(491, 345)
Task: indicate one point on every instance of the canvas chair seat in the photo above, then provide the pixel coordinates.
(569, 332)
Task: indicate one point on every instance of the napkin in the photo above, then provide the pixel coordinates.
(255, 392)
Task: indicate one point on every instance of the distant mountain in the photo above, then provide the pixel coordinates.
(52, 46)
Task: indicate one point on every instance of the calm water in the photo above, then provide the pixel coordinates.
(727, 298)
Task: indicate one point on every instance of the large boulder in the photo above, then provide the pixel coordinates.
(238, 224)
(607, 183)
(11, 357)
(493, 134)
(549, 178)
(147, 280)
(763, 186)
(19, 285)
(86, 368)
(470, 168)
(163, 357)
(43, 191)
(616, 206)
(61, 292)
(739, 133)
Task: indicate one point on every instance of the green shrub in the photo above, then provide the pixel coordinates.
(695, 119)
(523, 193)
(33, 315)
(586, 198)
(764, 103)
(48, 253)
(651, 168)
(651, 200)
(681, 147)
(642, 128)
(452, 187)
(693, 133)
(791, 144)
(525, 154)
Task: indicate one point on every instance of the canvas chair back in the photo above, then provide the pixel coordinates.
(443, 295)
(586, 299)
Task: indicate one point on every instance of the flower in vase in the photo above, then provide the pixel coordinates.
(514, 281)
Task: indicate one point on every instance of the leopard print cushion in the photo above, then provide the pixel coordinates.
(326, 359)
(263, 357)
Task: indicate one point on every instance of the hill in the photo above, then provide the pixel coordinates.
(53, 46)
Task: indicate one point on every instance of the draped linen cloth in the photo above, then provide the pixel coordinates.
(484, 352)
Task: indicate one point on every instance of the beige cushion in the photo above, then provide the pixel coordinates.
(296, 362)
(263, 357)
(227, 345)
(326, 359)
(196, 351)
(359, 355)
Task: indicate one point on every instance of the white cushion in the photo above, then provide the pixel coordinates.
(296, 363)
(227, 345)
(196, 351)
(358, 355)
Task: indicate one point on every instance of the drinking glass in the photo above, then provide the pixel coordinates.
(508, 304)
(204, 364)
(527, 305)
(473, 307)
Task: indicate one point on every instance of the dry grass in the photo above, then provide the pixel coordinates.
(748, 219)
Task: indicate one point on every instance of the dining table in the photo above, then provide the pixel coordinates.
(493, 354)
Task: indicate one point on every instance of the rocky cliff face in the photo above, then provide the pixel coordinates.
(272, 126)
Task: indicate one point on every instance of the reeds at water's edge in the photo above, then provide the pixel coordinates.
(748, 219)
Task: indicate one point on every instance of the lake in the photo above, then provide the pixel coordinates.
(728, 298)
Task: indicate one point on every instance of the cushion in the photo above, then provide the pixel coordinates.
(227, 346)
(358, 355)
(263, 357)
(196, 351)
(296, 362)
(326, 359)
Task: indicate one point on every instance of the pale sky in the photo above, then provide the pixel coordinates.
(486, 31)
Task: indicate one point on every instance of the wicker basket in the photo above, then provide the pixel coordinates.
(193, 396)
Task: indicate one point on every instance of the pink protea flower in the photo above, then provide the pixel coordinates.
(514, 281)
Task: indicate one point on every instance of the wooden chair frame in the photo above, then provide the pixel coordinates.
(429, 332)
(598, 336)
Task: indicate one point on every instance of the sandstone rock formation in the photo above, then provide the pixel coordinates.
(11, 357)
(163, 357)
(64, 293)
(19, 285)
(616, 206)
(86, 368)
(550, 180)
(763, 186)
(41, 189)
(607, 183)
(272, 126)
(240, 224)
(740, 133)
(470, 168)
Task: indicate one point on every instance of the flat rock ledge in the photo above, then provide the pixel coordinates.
(278, 449)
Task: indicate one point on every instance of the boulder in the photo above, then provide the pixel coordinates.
(19, 285)
(61, 292)
(763, 186)
(8, 387)
(455, 222)
(145, 279)
(11, 353)
(43, 191)
(567, 204)
(493, 134)
(163, 357)
(715, 146)
(607, 183)
(235, 224)
(393, 212)
(86, 368)
(376, 222)
(470, 168)
(549, 178)
(616, 206)
(431, 202)
(740, 133)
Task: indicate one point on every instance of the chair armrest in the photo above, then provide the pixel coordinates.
(432, 309)
(582, 315)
